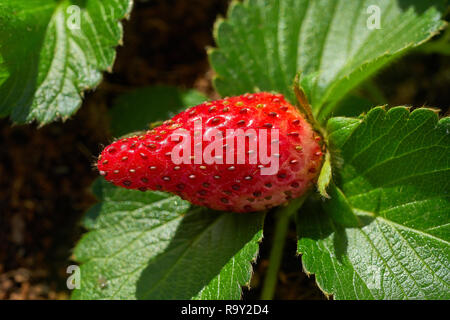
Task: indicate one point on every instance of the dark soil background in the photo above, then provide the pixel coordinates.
(45, 174)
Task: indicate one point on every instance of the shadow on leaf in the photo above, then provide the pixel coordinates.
(313, 222)
(202, 245)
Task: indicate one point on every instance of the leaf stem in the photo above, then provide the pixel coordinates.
(283, 216)
(440, 46)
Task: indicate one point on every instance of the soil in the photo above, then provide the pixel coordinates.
(46, 173)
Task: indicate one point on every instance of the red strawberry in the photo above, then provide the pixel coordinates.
(145, 162)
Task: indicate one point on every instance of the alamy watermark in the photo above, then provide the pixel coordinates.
(74, 17)
(232, 149)
(373, 277)
(374, 19)
(74, 280)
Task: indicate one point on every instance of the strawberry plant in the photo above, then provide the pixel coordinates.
(366, 184)
(67, 45)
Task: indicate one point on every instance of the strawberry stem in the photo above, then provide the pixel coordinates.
(283, 217)
(303, 103)
(304, 106)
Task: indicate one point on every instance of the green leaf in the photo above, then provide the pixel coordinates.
(152, 245)
(4, 74)
(264, 43)
(440, 46)
(49, 60)
(135, 110)
(385, 232)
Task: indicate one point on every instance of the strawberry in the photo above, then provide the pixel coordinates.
(146, 162)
